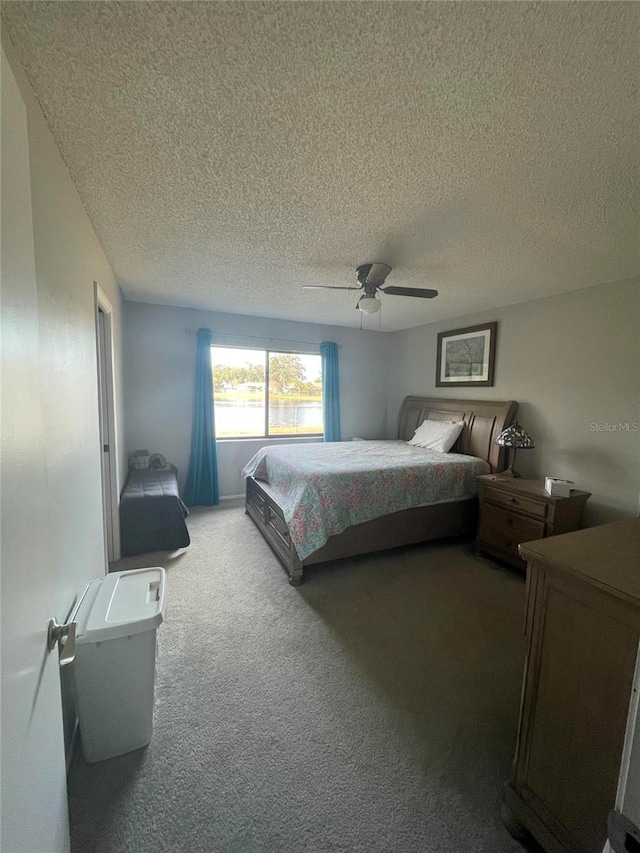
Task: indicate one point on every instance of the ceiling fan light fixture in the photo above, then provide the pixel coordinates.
(369, 305)
(371, 278)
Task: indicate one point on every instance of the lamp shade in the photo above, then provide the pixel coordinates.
(515, 436)
(369, 305)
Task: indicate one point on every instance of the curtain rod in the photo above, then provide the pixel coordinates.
(258, 338)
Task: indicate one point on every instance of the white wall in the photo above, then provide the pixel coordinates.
(571, 361)
(159, 377)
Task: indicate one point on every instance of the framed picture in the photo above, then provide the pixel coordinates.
(466, 356)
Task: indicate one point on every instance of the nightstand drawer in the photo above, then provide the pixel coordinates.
(501, 540)
(510, 525)
(523, 504)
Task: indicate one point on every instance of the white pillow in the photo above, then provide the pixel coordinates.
(437, 435)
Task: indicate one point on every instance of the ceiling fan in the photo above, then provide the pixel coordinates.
(370, 279)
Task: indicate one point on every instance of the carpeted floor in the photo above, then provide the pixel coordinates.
(372, 709)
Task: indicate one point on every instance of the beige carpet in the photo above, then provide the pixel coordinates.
(372, 709)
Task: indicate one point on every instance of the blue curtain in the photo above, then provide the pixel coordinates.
(202, 477)
(330, 391)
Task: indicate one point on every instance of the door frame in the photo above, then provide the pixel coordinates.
(107, 399)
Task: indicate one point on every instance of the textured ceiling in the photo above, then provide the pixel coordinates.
(228, 153)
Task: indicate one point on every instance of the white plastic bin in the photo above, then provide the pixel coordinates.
(114, 667)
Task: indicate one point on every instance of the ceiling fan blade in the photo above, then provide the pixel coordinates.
(377, 274)
(422, 292)
(327, 287)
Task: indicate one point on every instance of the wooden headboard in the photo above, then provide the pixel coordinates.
(484, 420)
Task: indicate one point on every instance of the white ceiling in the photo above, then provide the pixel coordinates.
(228, 153)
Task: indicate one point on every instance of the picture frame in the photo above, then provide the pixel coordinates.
(466, 357)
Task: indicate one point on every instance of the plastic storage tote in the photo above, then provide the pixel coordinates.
(114, 667)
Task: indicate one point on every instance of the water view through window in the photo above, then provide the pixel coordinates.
(266, 393)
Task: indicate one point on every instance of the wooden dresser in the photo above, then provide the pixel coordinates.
(582, 630)
(515, 510)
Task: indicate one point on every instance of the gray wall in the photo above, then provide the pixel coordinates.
(572, 362)
(159, 376)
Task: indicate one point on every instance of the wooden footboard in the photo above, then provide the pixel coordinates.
(408, 527)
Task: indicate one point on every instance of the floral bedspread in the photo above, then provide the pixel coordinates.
(324, 488)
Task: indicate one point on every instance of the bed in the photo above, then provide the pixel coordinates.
(152, 515)
(429, 515)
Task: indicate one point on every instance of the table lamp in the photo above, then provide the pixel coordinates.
(514, 438)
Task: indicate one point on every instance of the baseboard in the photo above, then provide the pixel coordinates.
(231, 497)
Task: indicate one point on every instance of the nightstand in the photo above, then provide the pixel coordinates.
(515, 510)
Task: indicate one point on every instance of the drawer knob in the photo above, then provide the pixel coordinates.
(513, 500)
(507, 542)
(509, 521)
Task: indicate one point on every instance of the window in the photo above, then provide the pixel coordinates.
(262, 393)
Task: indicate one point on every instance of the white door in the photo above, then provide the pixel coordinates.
(34, 801)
